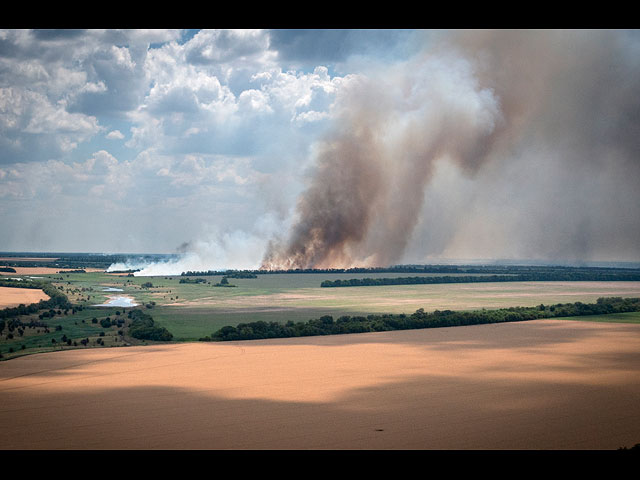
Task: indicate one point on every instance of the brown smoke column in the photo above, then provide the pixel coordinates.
(472, 99)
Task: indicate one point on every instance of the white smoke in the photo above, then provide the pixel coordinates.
(237, 250)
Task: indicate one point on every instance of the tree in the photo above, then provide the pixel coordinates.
(105, 322)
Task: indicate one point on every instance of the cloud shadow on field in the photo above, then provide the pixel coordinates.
(420, 413)
(460, 398)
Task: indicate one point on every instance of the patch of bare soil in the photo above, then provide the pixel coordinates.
(12, 297)
(544, 384)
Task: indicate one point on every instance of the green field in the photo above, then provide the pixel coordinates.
(630, 317)
(192, 311)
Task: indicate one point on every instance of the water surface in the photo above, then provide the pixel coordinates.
(118, 301)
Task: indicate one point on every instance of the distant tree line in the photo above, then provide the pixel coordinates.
(326, 325)
(226, 273)
(530, 277)
(533, 271)
(484, 269)
(241, 275)
(224, 282)
(143, 327)
(77, 260)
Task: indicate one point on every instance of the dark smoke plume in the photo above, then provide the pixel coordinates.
(501, 106)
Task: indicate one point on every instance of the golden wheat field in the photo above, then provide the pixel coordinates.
(543, 384)
(41, 271)
(12, 297)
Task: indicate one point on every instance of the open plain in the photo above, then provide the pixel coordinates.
(542, 384)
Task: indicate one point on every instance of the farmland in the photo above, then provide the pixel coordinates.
(191, 310)
(12, 297)
(541, 384)
(485, 386)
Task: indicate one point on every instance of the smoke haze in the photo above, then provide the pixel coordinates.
(235, 250)
(490, 144)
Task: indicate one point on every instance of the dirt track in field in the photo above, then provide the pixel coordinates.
(12, 297)
(544, 384)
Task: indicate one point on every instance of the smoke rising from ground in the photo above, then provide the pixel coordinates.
(236, 250)
(542, 128)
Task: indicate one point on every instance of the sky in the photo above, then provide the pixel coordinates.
(329, 147)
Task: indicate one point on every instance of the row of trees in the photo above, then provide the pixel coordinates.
(529, 277)
(226, 273)
(485, 269)
(326, 325)
(224, 282)
(62, 260)
(192, 280)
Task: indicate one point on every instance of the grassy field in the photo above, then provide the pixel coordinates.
(191, 311)
(630, 317)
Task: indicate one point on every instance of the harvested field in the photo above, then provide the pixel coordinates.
(544, 384)
(408, 298)
(12, 297)
(42, 271)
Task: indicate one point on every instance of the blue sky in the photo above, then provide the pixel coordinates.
(160, 140)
